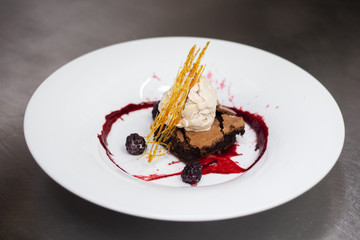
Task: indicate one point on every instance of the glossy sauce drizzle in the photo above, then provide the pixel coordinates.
(220, 163)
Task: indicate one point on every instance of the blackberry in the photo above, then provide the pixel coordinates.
(135, 144)
(192, 172)
(155, 110)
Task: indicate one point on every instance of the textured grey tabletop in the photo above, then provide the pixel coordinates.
(37, 37)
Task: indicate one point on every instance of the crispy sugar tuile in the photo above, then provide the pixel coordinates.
(166, 121)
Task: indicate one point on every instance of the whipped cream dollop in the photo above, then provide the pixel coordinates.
(200, 107)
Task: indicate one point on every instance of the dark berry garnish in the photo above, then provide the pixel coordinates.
(135, 144)
(192, 172)
(155, 110)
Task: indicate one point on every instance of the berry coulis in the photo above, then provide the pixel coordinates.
(220, 162)
(111, 118)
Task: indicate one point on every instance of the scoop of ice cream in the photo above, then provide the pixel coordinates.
(200, 107)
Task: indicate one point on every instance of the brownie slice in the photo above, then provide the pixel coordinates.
(190, 146)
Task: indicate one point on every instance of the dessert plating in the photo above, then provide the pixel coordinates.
(190, 123)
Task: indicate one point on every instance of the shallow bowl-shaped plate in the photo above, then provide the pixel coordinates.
(65, 114)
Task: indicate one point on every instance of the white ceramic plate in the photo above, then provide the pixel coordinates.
(65, 114)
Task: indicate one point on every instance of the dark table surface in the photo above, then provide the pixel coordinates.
(37, 37)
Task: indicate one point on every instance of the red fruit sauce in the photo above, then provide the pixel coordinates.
(220, 163)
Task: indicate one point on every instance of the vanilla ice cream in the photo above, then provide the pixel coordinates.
(200, 107)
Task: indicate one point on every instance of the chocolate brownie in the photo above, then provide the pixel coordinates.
(189, 146)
